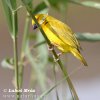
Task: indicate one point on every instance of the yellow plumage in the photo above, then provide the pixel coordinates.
(60, 35)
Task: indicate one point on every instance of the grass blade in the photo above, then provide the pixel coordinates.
(8, 15)
(40, 8)
(11, 16)
(92, 4)
(92, 37)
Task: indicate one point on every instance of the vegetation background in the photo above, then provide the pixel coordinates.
(85, 80)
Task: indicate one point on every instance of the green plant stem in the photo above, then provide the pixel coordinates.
(16, 67)
(15, 54)
(8, 14)
(55, 80)
(24, 42)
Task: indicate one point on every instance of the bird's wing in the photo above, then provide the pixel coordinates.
(63, 32)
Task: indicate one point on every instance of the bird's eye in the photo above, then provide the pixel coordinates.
(35, 26)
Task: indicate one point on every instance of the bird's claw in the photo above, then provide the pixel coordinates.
(55, 59)
(51, 48)
(59, 54)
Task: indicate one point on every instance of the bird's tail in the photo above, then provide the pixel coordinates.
(77, 54)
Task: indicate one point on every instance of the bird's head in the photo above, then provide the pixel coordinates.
(40, 18)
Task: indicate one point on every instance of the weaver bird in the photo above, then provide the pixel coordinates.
(60, 35)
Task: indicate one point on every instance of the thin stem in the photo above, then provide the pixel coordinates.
(55, 80)
(24, 42)
(15, 54)
(16, 67)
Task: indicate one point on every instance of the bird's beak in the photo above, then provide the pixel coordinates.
(35, 26)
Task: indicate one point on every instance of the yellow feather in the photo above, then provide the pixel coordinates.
(60, 35)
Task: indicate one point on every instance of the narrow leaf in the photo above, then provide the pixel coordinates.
(88, 36)
(11, 15)
(40, 8)
(28, 3)
(92, 4)
(8, 3)
(13, 4)
(58, 4)
(8, 15)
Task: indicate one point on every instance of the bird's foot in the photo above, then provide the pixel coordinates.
(59, 54)
(50, 48)
(55, 59)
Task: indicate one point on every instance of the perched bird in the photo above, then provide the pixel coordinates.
(59, 34)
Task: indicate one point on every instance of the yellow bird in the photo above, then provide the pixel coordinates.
(59, 34)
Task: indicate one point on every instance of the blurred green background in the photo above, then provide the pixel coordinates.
(80, 19)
